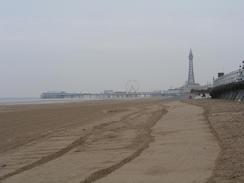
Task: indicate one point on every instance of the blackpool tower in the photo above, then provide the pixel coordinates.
(191, 79)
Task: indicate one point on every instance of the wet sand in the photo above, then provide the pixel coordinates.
(136, 141)
(22, 124)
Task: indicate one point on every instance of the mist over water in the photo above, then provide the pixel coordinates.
(27, 101)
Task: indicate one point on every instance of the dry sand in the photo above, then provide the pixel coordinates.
(138, 141)
(226, 118)
(184, 150)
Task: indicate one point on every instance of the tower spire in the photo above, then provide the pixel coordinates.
(191, 79)
(190, 55)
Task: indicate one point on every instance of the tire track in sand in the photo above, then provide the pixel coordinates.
(71, 146)
(148, 138)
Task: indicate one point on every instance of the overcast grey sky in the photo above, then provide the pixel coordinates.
(94, 45)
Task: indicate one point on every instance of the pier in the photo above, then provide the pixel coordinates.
(99, 96)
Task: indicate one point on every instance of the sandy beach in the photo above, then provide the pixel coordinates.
(226, 119)
(120, 141)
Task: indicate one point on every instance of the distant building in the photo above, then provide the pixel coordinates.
(173, 92)
(108, 91)
(191, 77)
(190, 83)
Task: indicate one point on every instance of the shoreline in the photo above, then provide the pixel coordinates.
(39, 101)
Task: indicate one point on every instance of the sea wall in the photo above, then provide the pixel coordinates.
(232, 91)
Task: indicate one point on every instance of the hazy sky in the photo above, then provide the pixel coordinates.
(93, 45)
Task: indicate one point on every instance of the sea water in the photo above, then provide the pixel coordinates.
(24, 101)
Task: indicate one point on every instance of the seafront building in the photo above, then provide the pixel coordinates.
(229, 86)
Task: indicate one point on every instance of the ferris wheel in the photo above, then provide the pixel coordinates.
(132, 86)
